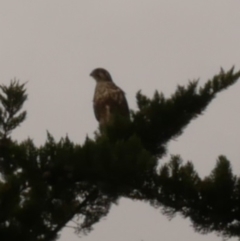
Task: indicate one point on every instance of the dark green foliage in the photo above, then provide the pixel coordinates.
(212, 203)
(11, 99)
(161, 119)
(44, 188)
(42, 193)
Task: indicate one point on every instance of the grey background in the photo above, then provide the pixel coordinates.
(147, 45)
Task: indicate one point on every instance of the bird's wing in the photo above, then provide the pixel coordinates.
(109, 101)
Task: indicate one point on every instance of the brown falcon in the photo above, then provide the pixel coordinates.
(108, 98)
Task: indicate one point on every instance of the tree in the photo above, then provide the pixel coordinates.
(43, 188)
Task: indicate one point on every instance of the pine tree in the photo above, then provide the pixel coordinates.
(43, 188)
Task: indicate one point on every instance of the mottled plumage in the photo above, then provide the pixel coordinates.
(108, 98)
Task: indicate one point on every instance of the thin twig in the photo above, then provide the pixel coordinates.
(52, 234)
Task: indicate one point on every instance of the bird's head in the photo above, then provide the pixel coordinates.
(101, 75)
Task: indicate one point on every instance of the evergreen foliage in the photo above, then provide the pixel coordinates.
(43, 188)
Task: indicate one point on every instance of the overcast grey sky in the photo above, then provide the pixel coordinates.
(147, 45)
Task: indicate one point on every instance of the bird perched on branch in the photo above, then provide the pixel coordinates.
(108, 98)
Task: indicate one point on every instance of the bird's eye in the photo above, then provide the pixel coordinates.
(102, 75)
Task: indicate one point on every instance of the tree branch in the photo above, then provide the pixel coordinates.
(52, 234)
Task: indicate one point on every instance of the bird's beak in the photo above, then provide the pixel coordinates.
(91, 74)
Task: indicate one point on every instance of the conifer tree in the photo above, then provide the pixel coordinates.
(44, 188)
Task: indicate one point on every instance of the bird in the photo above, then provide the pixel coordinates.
(108, 99)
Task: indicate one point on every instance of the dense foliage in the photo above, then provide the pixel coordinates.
(43, 188)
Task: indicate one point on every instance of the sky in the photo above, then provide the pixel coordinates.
(146, 45)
